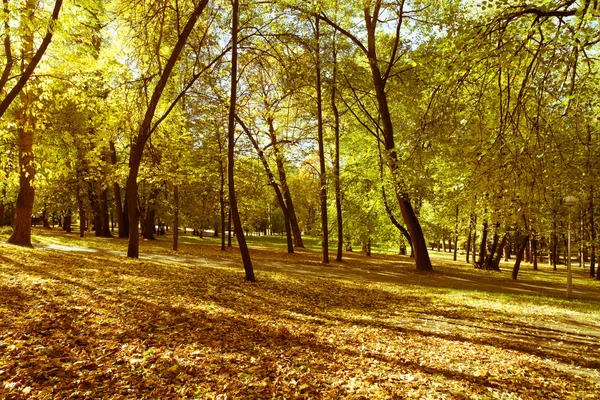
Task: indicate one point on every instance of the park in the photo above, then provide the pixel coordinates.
(225, 199)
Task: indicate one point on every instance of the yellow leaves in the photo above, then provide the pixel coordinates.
(171, 327)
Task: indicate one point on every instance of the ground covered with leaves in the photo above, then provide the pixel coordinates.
(98, 325)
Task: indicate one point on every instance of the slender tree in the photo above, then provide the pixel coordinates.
(235, 216)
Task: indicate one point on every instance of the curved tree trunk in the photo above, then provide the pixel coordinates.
(237, 223)
(285, 190)
(137, 146)
(496, 263)
(515, 271)
(271, 179)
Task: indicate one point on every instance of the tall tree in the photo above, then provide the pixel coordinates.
(372, 15)
(237, 223)
(147, 127)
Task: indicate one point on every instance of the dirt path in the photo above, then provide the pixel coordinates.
(357, 273)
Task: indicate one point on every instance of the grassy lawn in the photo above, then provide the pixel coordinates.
(98, 325)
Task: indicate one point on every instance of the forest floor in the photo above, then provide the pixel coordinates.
(79, 320)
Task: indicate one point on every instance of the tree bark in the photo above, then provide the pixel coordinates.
(285, 188)
(25, 129)
(534, 245)
(515, 271)
(554, 243)
(456, 234)
(104, 215)
(474, 241)
(321, 145)
(123, 232)
(592, 233)
(482, 246)
(175, 217)
(496, 264)
(469, 236)
(336, 160)
(490, 257)
(237, 223)
(387, 207)
(222, 198)
(2, 207)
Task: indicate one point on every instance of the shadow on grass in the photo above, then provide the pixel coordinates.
(105, 317)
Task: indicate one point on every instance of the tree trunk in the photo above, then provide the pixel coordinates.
(496, 264)
(29, 58)
(592, 233)
(456, 234)
(388, 209)
(474, 241)
(271, 179)
(25, 130)
(121, 214)
(554, 243)
(67, 221)
(289, 205)
(321, 145)
(469, 236)
(237, 223)
(105, 218)
(336, 160)
(229, 228)
(490, 257)
(146, 128)
(2, 202)
(222, 198)
(534, 259)
(148, 227)
(175, 217)
(483, 245)
(515, 271)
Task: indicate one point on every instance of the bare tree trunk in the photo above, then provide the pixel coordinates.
(105, 222)
(483, 245)
(2, 207)
(271, 179)
(515, 271)
(474, 241)
(237, 223)
(289, 205)
(496, 264)
(322, 170)
(336, 160)
(123, 232)
(175, 217)
(534, 259)
(456, 234)
(592, 233)
(222, 198)
(469, 236)
(554, 243)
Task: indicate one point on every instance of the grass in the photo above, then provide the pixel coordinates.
(102, 326)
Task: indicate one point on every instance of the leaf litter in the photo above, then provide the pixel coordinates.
(102, 326)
